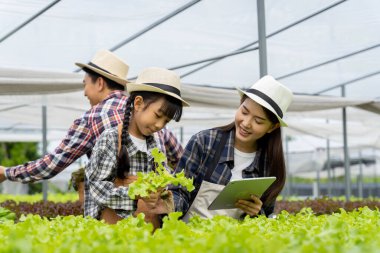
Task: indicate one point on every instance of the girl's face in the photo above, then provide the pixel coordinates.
(147, 120)
(251, 124)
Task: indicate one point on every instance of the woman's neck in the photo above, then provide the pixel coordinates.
(245, 147)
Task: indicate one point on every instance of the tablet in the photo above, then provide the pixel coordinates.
(240, 189)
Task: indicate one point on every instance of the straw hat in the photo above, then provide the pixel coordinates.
(270, 94)
(108, 65)
(158, 80)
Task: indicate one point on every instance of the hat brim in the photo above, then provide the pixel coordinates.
(103, 73)
(142, 87)
(263, 103)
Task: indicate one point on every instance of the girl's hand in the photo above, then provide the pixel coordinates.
(151, 201)
(251, 207)
(165, 204)
(126, 181)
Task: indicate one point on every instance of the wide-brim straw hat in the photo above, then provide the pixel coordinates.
(158, 80)
(108, 65)
(270, 94)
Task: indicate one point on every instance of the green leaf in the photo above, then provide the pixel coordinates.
(151, 182)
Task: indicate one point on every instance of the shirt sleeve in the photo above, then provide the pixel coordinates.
(190, 162)
(78, 141)
(173, 148)
(100, 173)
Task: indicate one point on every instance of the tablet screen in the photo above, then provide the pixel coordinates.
(240, 189)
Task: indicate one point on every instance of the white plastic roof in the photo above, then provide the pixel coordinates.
(40, 56)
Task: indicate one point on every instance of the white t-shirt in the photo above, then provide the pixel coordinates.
(242, 161)
(139, 143)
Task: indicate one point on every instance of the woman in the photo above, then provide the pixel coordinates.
(251, 146)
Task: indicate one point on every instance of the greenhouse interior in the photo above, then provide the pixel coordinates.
(326, 52)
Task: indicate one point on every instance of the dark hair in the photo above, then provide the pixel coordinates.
(272, 152)
(112, 85)
(172, 109)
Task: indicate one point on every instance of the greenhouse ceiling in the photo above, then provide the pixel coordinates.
(314, 47)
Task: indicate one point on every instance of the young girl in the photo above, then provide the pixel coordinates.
(249, 147)
(155, 99)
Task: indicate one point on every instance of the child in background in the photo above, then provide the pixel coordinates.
(155, 99)
(77, 182)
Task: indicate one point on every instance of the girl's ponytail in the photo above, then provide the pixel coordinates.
(123, 158)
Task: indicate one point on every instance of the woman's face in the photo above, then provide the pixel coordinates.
(147, 120)
(251, 124)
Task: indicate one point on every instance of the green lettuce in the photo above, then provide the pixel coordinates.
(154, 181)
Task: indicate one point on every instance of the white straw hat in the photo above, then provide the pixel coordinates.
(158, 80)
(108, 65)
(270, 94)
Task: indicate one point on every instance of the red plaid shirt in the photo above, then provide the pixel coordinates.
(81, 138)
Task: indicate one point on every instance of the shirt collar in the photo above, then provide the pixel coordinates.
(132, 149)
(113, 94)
(228, 153)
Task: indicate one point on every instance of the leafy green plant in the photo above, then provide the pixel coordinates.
(304, 232)
(157, 180)
(6, 214)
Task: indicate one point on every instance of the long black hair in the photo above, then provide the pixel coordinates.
(172, 108)
(272, 153)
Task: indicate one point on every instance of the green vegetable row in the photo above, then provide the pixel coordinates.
(304, 232)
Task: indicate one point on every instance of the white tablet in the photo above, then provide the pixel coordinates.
(240, 189)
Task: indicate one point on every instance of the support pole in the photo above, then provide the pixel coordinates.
(262, 37)
(181, 134)
(44, 146)
(347, 175)
(360, 178)
(328, 165)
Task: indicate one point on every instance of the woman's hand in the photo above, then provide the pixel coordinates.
(251, 207)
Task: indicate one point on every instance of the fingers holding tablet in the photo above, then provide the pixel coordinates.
(251, 207)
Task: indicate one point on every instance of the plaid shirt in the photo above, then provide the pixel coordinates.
(81, 138)
(100, 191)
(198, 156)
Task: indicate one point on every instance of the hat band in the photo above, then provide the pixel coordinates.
(165, 87)
(96, 66)
(268, 100)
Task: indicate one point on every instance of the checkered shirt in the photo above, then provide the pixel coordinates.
(197, 157)
(82, 137)
(100, 191)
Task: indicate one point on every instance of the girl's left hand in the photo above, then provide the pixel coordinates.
(165, 204)
(251, 207)
(151, 200)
